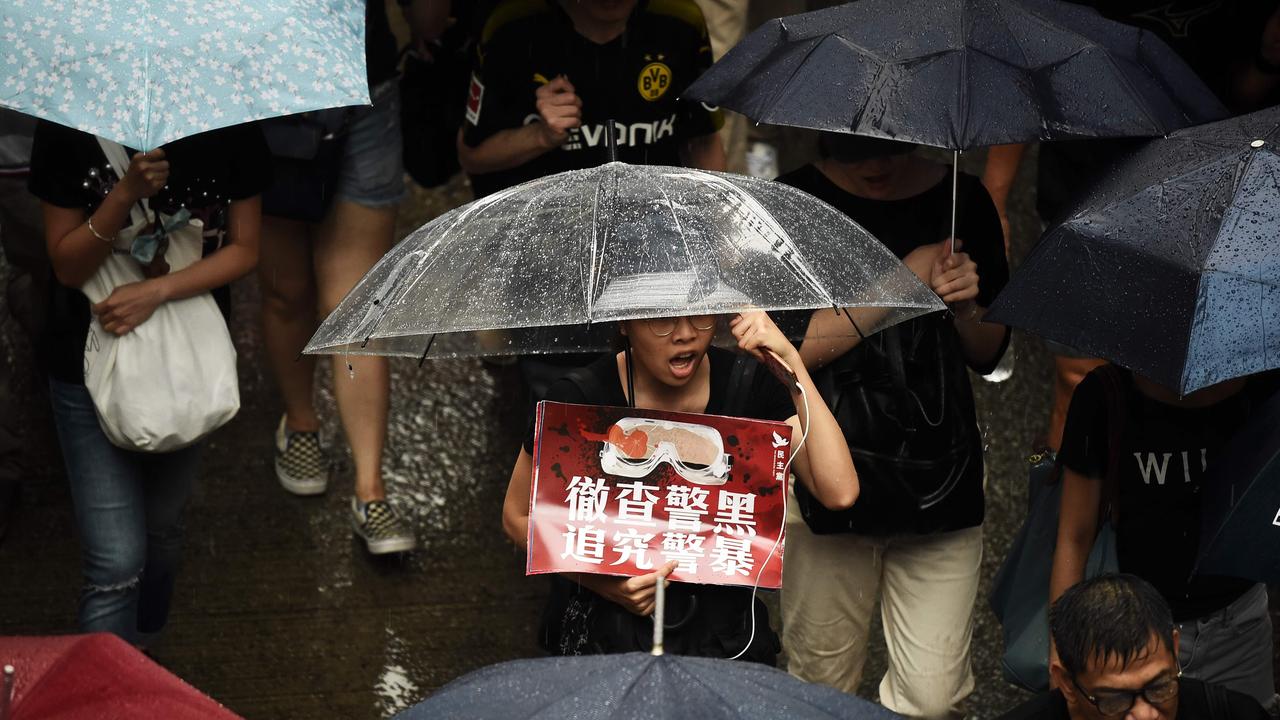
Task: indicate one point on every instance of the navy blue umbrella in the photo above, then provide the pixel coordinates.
(1240, 533)
(1171, 267)
(637, 686)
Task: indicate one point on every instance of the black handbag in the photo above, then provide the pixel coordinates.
(902, 399)
(306, 151)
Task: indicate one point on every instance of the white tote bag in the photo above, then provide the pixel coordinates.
(171, 380)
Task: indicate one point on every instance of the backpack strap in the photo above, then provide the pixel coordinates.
(741, 378)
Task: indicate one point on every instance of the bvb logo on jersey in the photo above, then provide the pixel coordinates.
(654, 79)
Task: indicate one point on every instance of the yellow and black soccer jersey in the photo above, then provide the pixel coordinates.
(635, 80)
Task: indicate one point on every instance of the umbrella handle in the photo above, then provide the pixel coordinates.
(659, 616)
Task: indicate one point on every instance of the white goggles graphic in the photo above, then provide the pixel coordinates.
(696, 452)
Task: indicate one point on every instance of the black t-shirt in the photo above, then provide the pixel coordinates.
(1193, 704)
(767, 399)
(635, 80)
(902, 226)
(380, 54)
(906, 224)
(206, 172)
(1214, 37)
(1163, 454)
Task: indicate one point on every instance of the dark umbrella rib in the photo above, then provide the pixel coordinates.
(586, 683)
(791, 699)
(635, 672)
(679, 669)
(767, 106)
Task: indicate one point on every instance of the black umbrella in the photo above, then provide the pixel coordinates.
(635, 686)
(1240, 533)
(959, 74)
(1172, 266)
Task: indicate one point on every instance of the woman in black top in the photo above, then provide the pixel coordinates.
(129, 504)
(675, 370)
(903, 399)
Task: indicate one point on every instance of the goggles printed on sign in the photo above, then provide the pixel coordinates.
(636, 446)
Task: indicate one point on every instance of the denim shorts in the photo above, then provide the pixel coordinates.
(372, 167)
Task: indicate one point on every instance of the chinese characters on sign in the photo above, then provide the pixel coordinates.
(623, 491)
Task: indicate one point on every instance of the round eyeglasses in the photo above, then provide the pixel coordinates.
(663, 327)
(1116, 702)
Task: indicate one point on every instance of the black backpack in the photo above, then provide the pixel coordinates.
(902, 399)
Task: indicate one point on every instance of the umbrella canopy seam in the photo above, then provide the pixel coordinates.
(717, 694)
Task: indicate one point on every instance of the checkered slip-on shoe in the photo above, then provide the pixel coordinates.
(301, 465)
(381, 528)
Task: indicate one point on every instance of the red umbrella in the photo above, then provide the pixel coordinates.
(96, 676)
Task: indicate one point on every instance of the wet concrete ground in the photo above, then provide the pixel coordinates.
(281, 614)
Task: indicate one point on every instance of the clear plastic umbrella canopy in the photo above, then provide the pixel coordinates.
(554, 262)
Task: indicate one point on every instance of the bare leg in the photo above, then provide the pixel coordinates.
(352, 239)
(289, 315)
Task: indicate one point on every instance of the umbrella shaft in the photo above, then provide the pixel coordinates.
(955, 186)
(659, 615)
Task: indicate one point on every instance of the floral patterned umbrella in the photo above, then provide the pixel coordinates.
(146, 72)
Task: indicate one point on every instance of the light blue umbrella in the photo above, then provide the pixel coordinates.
(147, 72)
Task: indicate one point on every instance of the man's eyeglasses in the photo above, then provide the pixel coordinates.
(1115, 702)
(663, 327)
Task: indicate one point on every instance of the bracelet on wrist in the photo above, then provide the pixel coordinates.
(97, 234)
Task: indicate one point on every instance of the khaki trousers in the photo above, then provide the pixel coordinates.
(926, 584)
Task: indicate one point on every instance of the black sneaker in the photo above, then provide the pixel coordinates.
(301, 465)
(381, 528)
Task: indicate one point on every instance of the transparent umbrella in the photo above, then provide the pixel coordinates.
(552, 263)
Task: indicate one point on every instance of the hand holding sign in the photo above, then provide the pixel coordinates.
(636, 594)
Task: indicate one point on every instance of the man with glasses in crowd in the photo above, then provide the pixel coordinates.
(1118, 658)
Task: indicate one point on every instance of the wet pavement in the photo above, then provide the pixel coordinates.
(280, 613)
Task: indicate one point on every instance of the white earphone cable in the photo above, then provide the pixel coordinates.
(786, 490)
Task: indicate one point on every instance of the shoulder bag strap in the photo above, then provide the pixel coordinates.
(741, 377)
(119, 161)
(1116, 390)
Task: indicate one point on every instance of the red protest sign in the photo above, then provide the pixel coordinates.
(622, 491)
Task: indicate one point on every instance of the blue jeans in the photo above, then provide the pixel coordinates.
(373, 165)
(128, 508)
